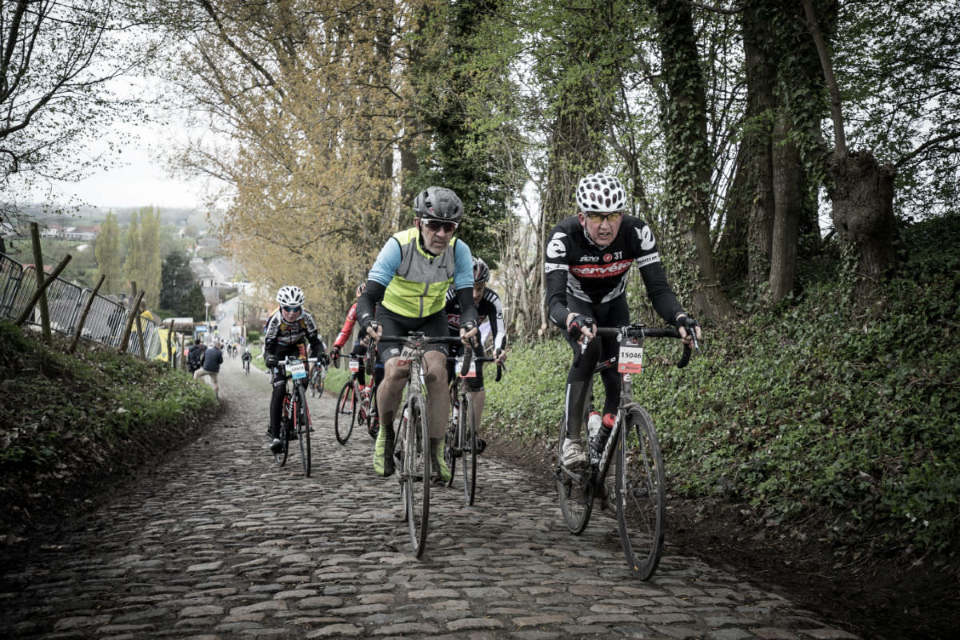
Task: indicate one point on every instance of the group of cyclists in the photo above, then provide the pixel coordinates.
(425, 279)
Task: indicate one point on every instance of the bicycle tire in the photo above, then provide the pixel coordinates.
(468, 448)
(323, 377)
(576, 497)
(281, 456)
(641, 494)
(346, 406)
(416, 475)
(313, 384)
(451, 448)
(303, 427)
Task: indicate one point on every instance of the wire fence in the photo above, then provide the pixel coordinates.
(105, 321)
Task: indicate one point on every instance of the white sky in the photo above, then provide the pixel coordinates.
(138, 177)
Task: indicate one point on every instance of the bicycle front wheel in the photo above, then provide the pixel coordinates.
(281, 456)
(303, 427)
(416, 475)
(641, 494)
(576, 493)
(346, 413)
(468, 448)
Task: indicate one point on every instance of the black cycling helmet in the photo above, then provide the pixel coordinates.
(481, 272)
(438, 203)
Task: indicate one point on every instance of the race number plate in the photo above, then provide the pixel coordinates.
(630, 359)
(354, 365)
(297, 370)
(406, 356)
(471, 370)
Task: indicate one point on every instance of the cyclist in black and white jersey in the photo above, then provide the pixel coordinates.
(488, 306)
(588, 258)
(287, 333)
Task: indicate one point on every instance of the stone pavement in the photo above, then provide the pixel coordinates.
(220, 543)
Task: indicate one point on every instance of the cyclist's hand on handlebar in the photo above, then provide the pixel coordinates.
(270, 361)
(581, 327)
(689, 329)
(468, 333)
(335, 354)
(374, 331)
(500, 356)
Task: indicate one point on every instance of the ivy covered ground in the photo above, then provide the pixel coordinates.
(813, 445)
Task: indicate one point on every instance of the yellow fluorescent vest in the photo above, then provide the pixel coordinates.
(419, 287)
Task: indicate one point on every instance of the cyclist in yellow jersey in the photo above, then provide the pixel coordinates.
(409, 282)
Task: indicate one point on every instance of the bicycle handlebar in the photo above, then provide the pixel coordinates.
(418, 336)
(640, 331)
(501, 368)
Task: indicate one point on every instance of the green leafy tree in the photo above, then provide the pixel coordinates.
(132, 263)
(195, 306)
(177, 283)
(150, 263)
(108, 255)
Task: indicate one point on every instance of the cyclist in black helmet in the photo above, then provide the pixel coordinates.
(489, 308)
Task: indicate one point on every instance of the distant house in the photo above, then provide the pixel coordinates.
(53, 230)
(86, 234)
(203, 273)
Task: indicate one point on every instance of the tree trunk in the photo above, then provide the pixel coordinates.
(689, 164)
(757, 141)
(789, 201)
(861, 190)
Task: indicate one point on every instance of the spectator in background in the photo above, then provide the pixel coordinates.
(195, 355)
(212, 359)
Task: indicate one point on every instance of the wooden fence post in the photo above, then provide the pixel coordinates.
(125, 339)
(83, 316)
(40, 289)
(38, 267)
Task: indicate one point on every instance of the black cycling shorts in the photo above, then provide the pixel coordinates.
(396, 325)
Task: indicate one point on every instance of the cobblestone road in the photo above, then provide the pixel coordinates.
(219, 543)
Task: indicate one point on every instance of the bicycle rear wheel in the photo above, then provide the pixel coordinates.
(640, 489)
(416, 475)
(576, 493)
(303, 427)
(346, 413)
(468, 448)
(314, 377)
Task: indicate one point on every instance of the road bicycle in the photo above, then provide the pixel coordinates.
(462, 438)
(317, 377)
(356, 402)
(412, 442)
(295, 423)
(639, 481)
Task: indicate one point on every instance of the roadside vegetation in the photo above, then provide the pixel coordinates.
(70, 423)
(806, 412)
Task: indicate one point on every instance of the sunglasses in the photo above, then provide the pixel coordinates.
(291, 309)
(599, 217)
(437, 225)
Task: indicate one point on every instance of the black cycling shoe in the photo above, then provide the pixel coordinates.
(481, 445)
(276, 446)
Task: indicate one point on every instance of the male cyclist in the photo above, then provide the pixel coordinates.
(488, 306)
(246, 357)
(287, 333)
(359, 350)
(409, 281)
(588, 257)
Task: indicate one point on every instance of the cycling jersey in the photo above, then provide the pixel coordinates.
(279, 333)
(576, 267)
(416, 281)
(489, 308)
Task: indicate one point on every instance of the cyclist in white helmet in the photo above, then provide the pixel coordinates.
(588, 257)
(288, 332)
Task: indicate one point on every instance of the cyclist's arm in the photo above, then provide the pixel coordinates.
(497, 326)
(463, 283)
(381, 273)
(557, 271)
(347, 327)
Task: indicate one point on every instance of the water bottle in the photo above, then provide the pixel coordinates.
(593, 428)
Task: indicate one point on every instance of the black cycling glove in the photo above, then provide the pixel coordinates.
(577, 324)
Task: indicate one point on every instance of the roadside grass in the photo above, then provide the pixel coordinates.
(68, 420)
(807, 411)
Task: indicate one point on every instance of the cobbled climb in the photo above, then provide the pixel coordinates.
(220, 543)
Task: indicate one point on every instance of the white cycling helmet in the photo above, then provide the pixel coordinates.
(290, 296)
(600, 192)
